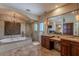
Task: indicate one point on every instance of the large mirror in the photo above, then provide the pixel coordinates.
(64, 24)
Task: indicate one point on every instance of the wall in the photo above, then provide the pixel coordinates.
(6, 14)
(28, 30)
(62, 10)
(36, 34)
(2, 30)
(25, 27)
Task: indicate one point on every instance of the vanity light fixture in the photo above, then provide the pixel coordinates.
(46, 22)
(59, 26)
(77, 16)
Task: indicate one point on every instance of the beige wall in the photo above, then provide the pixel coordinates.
(36, 34)
(2, 30)
(24, 28)
(28, 29)
(62, 10)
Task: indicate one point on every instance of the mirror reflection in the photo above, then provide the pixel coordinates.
(66, 24)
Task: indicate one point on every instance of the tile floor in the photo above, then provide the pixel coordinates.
(32, 50)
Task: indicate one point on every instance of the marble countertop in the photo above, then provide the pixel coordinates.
(65, 37)
(76, 39)
(56, 39)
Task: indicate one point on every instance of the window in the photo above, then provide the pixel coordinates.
(41, 26)
(35, 27)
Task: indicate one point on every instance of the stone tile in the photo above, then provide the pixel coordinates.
(33, 50)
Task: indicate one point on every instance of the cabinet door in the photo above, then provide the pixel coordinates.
(47, 43)
(65, 47)
(75, 49)
(43, 41)
(65, 50)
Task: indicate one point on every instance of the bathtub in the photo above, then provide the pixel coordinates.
(7, 40)
(14, 43)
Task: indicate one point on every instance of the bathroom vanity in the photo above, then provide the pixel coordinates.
(65, 44)
(69, 47)
(50, 42)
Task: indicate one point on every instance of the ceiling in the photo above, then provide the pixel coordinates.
(35, 8)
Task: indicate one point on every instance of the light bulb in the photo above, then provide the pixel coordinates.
(77, 17)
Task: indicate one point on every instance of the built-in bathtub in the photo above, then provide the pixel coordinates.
(12, 43)
(8, 40)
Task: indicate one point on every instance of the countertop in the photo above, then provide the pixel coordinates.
(76, 39)
(64, 37)
(55, 39)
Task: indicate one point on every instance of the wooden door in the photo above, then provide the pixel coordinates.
(68, 28)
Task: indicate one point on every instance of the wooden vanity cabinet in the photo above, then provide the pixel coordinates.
(69, 48)
(45, 42)
(42, 40)
(65, 48)
(74, 48)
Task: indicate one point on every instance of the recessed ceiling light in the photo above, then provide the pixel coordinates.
(56, 6)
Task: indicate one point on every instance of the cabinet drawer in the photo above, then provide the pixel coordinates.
(75, 43)
(65, 42)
